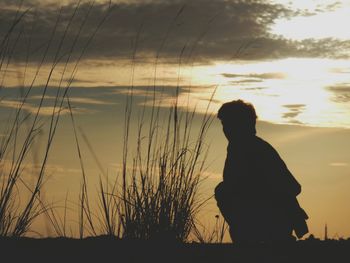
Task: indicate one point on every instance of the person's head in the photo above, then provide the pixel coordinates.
(238, 119)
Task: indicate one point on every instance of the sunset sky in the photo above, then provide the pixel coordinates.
(291, 59)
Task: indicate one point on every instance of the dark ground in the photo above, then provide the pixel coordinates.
(102, 249)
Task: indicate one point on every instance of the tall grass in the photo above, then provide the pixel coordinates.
(23, 127)
(16, 217)
(158, 196)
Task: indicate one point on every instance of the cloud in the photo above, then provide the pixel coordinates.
(255, 88)
(293, 111)
(90, 101)
(245, 81)
(340, 71)
(294, 106)
(30, 169)
(78, 100)
(150, 91)
(339, 164)
(270, 75)
(329, 7)
(200, 30)
(44, 110)
(341, 92)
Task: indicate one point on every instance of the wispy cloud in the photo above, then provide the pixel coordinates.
(30, 169)
(245, 81)
(79, 100)
(269, 75)
(293, 111)
(341, 92)
(339, 164)
(44, 110)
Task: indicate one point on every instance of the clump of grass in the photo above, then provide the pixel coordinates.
(160, 191)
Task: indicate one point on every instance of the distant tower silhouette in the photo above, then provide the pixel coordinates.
(325, 232)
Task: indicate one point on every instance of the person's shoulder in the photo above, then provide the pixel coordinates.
(264, 146)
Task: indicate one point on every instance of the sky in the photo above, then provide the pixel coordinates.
(291, 59)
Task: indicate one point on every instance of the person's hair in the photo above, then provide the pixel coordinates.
(240, 113)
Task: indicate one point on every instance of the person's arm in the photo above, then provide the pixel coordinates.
(228, 168)
(282, 180)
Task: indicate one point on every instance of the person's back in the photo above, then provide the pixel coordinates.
(258, 194)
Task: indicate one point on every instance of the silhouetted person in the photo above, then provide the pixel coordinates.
(258, 194)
